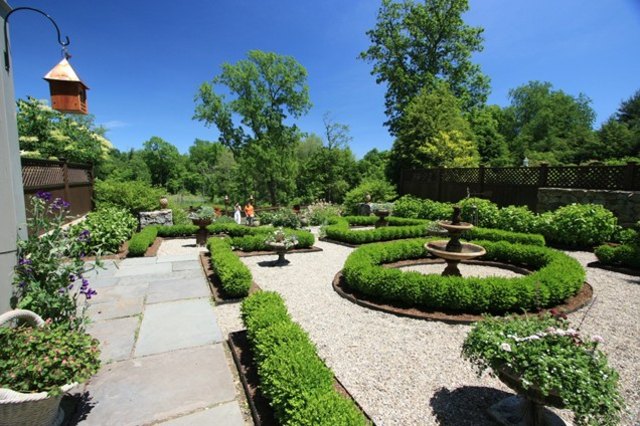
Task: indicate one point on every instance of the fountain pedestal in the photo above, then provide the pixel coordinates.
(281, 249)
(453, 251)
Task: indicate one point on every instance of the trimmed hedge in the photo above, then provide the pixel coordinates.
(140, 241)
(557, 277)
(293, 378)
(626, 255)
(177, 230)
(508, 236)
(235, 278)
(256, 242)
(398, 228)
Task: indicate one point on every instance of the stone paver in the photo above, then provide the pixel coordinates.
(225, 414)
(188, 265)
(144, 269)
(179, 258)
(136, 261)
(176, 325)
(116, 337)
(159, 387)
(172, 289)
(118, 301)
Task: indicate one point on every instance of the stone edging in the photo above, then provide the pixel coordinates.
(578, 301)
(612, 268)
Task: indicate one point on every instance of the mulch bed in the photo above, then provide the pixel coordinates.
(153, 248)
(214, 282)
(581, 299)
(239, 253)
(261, 411)
(613, 268)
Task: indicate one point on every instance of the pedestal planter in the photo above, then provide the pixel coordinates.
(528, 407)
(202, 234)
(281, 249)
(382, 218)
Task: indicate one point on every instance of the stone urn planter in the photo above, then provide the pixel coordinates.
(164, 203)
(202, 234)
(382, 218)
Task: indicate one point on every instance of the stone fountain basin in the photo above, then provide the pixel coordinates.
(469, 251)
(462, 226)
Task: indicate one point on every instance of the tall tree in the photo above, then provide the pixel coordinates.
(549, 125)
(433, 132)
(164, 161)
(267, 88)
(492, 145)
(413, 45)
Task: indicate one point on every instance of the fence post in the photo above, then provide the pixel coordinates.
(439, 182)
(481, 178)
(544, 173)
(65, 177)
(629, 173)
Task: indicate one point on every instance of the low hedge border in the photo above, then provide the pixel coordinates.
(140, 241)
(235, 277)
(401, 228)
(556, 277)
(295, 381)
(622, 256)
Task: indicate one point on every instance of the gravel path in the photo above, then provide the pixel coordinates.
(406, 371)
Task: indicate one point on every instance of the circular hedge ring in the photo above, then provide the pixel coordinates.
(555, 277)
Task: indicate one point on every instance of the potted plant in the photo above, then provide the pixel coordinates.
(548, 363)
(39, 362)
(203, 216)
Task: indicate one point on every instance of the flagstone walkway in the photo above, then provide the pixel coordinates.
(163, 353)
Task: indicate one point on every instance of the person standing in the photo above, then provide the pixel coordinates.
(237, 215)
(248, 211)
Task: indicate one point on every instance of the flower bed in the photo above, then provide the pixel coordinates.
(545, 354)
(556, 277)
(295, 381)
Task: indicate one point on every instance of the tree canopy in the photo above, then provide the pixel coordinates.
(266, 89)
(415, 45)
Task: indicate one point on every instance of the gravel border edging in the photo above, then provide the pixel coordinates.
(239, 253)
(574, 303)
(612, 268)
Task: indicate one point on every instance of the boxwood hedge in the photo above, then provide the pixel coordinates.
(235, 278)
(297, 384)
(627, 255)
(556, 277)
(140, 241)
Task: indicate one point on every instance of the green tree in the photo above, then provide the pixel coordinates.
(201, 164)
(267, 89)
(433, 133)
(549, 125)
(373, 166)
(125, 167)
(413, 45)
(164, 162)
(45, 133)
(492, 145)
(629, 111)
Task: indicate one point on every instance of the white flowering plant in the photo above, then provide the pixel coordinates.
(546, 353)
(280, 236)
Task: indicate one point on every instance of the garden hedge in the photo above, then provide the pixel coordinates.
(140, 241)
(255, 242)
(401, 228)
(398, 228)
(295, 381)
(556, 277)
(235, 278)
(626, 255)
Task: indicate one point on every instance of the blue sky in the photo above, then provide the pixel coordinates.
(144, 60)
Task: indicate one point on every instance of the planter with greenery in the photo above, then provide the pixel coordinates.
(38, 364)
(546, 359)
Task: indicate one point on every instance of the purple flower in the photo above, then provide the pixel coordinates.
(70, 286)
(59, 204)
(84, 236)
(85, 283)
(25, 262)
(22, 284)
(43, 195)
(72, 277)
(61, 290)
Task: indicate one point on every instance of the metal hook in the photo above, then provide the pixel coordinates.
(64, 44)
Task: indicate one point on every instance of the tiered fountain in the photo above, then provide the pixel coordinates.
(453, 251)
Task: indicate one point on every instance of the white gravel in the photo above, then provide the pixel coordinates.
(465, 269)
(405, 371)
(178, 246)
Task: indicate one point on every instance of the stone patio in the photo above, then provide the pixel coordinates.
(163, 353)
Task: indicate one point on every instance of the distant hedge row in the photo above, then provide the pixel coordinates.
(295, 381)
(557, 277)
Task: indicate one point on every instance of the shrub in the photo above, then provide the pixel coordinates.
(134, 196)
(320, 212)
(408, 206)
(557, 277)
(544, 352)
(48, 278)
(479, 211)
(283, 217)
(235, 278)
(416, 208)
(517, 219)
(498, 235)
(140, 242)
(293, 378)
(380, 191)
(179, 215)
(177, 230)
(626, 255)
(44, 359)
(108, 228)
(582, 225)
